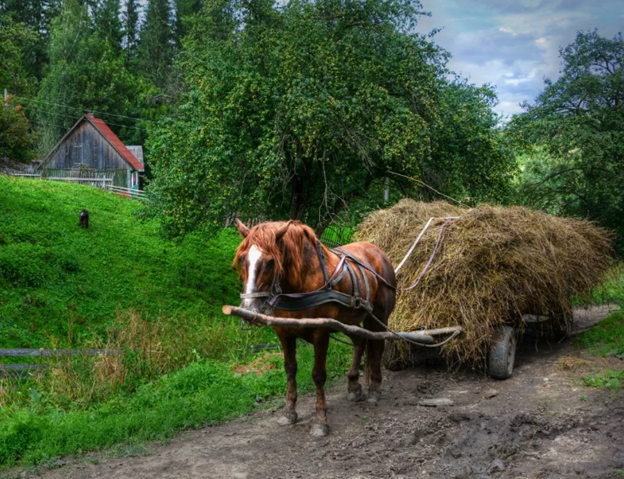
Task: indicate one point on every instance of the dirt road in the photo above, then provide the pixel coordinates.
(538, 424)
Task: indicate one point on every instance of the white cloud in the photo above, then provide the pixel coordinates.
(514, 44)
(523, 79)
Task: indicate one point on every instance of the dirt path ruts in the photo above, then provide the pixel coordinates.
(538, 424)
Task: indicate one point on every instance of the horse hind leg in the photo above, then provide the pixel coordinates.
(319, 374)
(354, 388)
(374, 352)
(289, 413)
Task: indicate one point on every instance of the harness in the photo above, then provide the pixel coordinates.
(276, 299)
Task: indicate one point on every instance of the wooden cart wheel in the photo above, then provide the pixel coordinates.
(502, 354)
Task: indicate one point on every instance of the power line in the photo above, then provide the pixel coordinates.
(75, 118)
(81, 109)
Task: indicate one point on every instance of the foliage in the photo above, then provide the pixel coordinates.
(108, 25)
(574, 134)
(609, 380)
(15, 138)
(131, 28)
(86, 74)
(296, 110)
(155, 48)
(33, 17)
(15, 39)
(184, 11)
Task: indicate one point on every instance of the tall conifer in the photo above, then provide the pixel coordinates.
(131, 28)
(183, 10)
(108, 24)
(155, 50)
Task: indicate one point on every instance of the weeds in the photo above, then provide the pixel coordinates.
(606, 338)
(204, 392)
(609, 380)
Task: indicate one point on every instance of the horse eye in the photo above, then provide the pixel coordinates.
(241, 259)
(269, 264)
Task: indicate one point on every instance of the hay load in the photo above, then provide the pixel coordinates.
(492, 266)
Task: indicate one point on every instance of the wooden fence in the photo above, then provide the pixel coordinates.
(100, 182)
(127, 192)
(23, 370)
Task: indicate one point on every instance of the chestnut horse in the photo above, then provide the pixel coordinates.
(286, 260)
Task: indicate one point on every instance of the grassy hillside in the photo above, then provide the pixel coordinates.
(119, 286)
(57, 279)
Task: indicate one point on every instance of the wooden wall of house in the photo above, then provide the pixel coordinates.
(86, 145)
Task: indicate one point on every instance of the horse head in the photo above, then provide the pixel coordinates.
(259, 260)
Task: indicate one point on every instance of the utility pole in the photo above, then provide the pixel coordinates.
(387, 190)
(6, 94)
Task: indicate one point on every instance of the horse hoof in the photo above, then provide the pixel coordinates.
(287, 419)
(374, 396)
(320, 429)
(355, 395)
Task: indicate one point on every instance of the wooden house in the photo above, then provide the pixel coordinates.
(90, 145)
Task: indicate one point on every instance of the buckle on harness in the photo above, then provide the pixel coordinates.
(356, 302)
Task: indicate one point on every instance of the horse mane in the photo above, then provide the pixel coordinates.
(288, 253)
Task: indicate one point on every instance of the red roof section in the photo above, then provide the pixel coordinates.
(116, 142)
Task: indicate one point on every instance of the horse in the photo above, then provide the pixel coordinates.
(287, 272)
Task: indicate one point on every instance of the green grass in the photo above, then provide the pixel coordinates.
(53, 273)
(120, 286)
(606, 338)
(203, 393)
(610, 291)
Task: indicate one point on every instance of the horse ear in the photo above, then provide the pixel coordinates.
(282, 230)
(242, 229)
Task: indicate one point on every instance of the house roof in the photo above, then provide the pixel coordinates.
(116, 142)
(107, 133)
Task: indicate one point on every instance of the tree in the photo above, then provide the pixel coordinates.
(131, 29)
(295, 111)
(108, 24)
(15, 40)
(183, 10)
(155, 49)
(86, 75)
(573, 135)
(35, 16)
(15, 138)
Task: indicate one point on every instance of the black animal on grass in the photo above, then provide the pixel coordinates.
(84, 219)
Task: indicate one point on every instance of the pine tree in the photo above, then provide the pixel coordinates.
(35, 15)
(108, 24)
(131, 28)
(155, 50)
(183, 10)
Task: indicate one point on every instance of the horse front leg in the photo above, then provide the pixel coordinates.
(319, 374)
(289, 345)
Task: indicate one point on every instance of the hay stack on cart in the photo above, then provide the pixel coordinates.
(493, 266)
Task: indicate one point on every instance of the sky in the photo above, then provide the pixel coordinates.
(514, 45)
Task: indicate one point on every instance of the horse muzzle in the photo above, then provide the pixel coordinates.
(256, 301)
